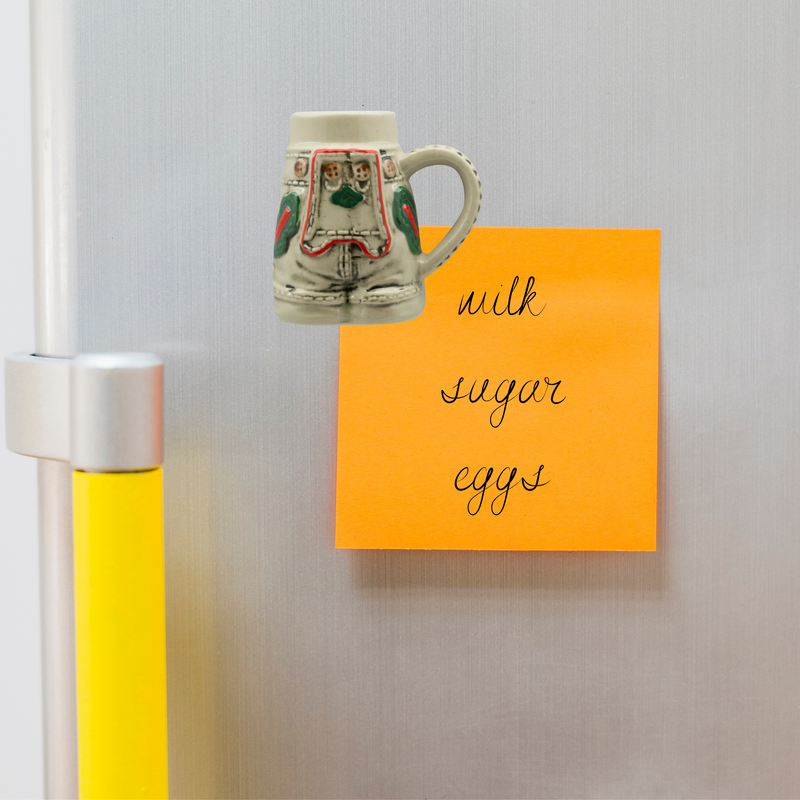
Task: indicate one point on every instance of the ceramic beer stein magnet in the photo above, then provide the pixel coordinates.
(347, 247)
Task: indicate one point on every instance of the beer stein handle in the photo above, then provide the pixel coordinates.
(438, 154)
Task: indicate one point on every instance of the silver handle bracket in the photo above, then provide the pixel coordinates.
(102, 412)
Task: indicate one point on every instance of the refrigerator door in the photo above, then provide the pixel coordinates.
(296, 670)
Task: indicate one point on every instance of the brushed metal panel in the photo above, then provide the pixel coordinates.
(299, 671)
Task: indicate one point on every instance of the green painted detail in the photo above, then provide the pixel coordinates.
(283, 233)
(346, 197)
(402, 197)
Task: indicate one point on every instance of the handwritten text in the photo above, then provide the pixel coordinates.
(482, 480)
(505, 306)
(504, 395)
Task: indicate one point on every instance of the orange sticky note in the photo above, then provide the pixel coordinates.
(519, 411)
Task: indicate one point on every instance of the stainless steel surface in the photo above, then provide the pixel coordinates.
(299, 671)
(116, 412)
(54, 80)
(37, 406)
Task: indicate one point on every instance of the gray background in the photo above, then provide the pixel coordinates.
(299, 671)
(20, 653)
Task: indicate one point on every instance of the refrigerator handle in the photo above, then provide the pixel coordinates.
(104, 414)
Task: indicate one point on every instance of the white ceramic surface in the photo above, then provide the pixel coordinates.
(347, 247)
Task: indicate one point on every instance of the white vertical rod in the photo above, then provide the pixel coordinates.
(58, 626)
(53, 77)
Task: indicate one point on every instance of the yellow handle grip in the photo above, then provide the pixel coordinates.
(120, 634)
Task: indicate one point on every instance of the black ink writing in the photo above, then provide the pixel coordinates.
(504, 394)
(505, 306)
(503, 482)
